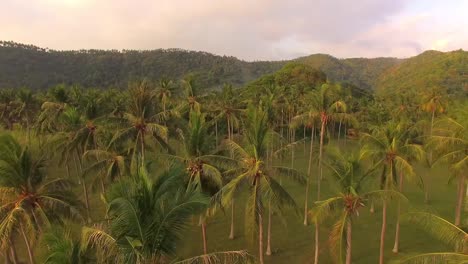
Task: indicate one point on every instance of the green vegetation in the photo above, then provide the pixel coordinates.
(293, 159)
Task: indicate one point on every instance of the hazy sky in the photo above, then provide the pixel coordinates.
(251, 30)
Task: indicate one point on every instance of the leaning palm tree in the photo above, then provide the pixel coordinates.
(29, 199)
(450, 141)
(389, 150)
(326, 108)
(444, 231)
(349, 174)
(253, 172)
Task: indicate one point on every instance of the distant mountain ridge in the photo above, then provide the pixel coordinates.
(39, 68)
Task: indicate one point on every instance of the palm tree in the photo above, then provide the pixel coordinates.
(349, 173)
(433, 102)
(27, 108)
(253, 171)
(388, 148)
(141, 121)
(227, 108)
(444, 231)
(63, 247)
(201, 167)
(326, 108)
(108, 163)
(310, 122)
(30, 200)
(146, 218)
(164, 92)
(450, 140)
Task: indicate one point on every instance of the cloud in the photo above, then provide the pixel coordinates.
(252, 30)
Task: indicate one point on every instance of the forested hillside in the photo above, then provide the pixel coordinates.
(428, 70)
(38, 68)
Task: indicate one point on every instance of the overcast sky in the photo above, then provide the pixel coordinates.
(250, 30)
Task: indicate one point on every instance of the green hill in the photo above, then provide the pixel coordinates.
(448, 70)
(39, 68)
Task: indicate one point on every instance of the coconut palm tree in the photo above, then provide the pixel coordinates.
(349, 174)
(141, 122)
(201, 166)
(164, 92)
(226, 107)
(30, 200)
(433, 102)
(450, 141)
(326, 107)
(107, 162)
(63, 247)
(253, 172)
(444, 231)
(146, 217)
(388, 149)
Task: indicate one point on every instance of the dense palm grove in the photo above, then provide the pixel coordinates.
(116, 176)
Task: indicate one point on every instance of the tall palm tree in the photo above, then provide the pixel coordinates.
(30, 200)
(253, 172)
(450, 141)
(327, 108)
(349, 173)
(433, 103)
(226, 107)
(388, 148)
(444, 231)
(201, 166)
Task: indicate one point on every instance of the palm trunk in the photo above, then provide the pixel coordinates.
(348, 241)
(28, 246)
(231, 234)
(12, 250)
(216, 132)
(229, 130)
(426, 183)
(397, 228)
(85, 192)
(319, 179)
(382, 233)
(339, 131)
(260, 238)
(83, 184)
(460, 195)
(309, 172)
(322, 134)
(268, 251)
(316, 256)
(293, 138)
(304, 138)
(203, 227)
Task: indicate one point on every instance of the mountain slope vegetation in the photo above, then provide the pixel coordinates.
(38, 68)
